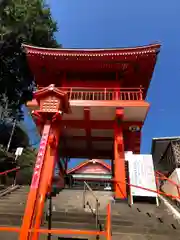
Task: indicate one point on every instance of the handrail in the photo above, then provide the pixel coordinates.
(86, 185)
(97, 88)
(54, 231)
(146, 189)
(8, 171)
(108, 222)
(90, 189)
(103, 94)
(161, 176)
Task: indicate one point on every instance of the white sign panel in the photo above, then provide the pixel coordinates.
(128, 156)
(19, 151)
(141, 173)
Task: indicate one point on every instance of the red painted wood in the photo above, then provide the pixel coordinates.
(81, 153)
(88, 129)
(119, 158)
(97, 124)
(94, 83)
(132, 72)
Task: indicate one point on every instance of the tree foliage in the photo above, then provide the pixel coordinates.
(26, 162)
(20, 137)
(22, 21)
(16, 80)
(31, 20)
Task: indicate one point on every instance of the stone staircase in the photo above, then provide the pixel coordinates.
(141, 221)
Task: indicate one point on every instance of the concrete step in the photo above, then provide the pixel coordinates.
(14, 236)
(11, 220)
(74, 225)
(127, 223)
(145, 230)
(115, 222)
(131, 236)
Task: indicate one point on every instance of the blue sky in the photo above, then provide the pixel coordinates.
(117, 23)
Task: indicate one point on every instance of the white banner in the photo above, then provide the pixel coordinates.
(141, 173)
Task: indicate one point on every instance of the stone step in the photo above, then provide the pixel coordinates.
(153, 212)
(69, 213)
(131, 236)
(74, 225)
(14, 210)
(130, 215)
(79, 217)
(146, 230)
(14, 236)
(119, 228)
(11, 221)
(115, 222)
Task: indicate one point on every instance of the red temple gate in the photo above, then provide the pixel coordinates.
(95, 109)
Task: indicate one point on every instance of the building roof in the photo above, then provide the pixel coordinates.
(159, 146)
(142, 50)
(85, 163)
(133, 66)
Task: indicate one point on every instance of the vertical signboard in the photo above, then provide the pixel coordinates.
(40, 157)
(128, 155)
(141, 173)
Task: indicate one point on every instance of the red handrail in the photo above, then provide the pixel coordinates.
(106, 233)
(98, 88)
(55, 231)
(101, 94)
(161, 176)
(8, 171)
(108, 222)
(146, 189)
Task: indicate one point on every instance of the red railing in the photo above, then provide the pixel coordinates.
(104, 94)
(108, 223)
(106, 233)
(158, 191)
(9, 171)
(161, 178)
(5, 173)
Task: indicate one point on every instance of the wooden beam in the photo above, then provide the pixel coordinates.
(88, 128)
(84, 153)
(84, 138)
(96, 124)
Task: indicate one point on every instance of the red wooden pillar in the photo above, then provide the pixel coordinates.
(131, 141)
(119, 158)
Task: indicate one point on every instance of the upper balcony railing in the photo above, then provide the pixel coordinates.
(104, 94)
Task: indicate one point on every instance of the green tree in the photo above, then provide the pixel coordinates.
(30, 20)
(22, 21)
(26, 162)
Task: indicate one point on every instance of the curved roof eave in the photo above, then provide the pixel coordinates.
(86, 162)
(152, 48)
